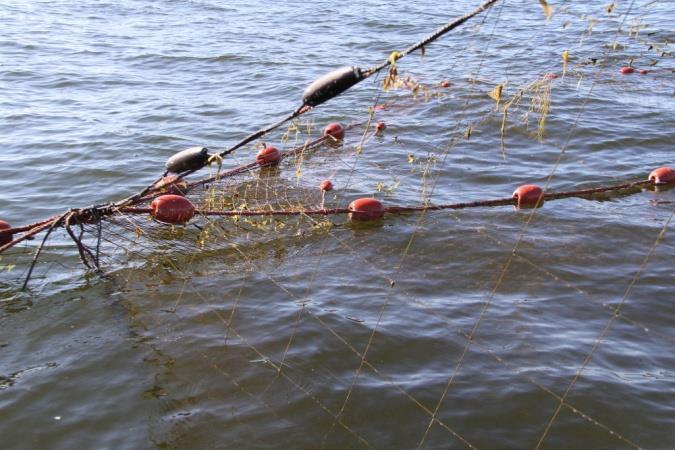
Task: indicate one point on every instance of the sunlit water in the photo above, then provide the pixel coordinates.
(350, 336)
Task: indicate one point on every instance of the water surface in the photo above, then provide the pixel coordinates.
(441, 330)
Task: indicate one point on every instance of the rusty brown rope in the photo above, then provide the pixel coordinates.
(548, 196)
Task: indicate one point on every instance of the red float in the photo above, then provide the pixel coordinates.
(326, 185)
(551, 76)
(644, 71)
(169, 185)
(528, 196)
(335, 130)
(662, 175)
(268, 155)
(380, 126)
(444, 84)
(626, 70)
(366, 209)
(5, 238)
(173, 209)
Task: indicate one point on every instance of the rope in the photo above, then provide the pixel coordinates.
(28, 227)
(429, 39)
(253, 136)
(581, 193)
(49, 223)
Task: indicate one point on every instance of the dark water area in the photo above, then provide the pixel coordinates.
(483, 328)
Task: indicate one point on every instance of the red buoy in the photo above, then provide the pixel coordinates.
(326, 185)
(366, 209)
(444, 84)
(662, 175)
(335, 130)
(5, 238)
(169, 185)
(172, 209)
(528, 196)
(551, 76)
(268, 155)
(380, 126)
(626, 70)
(644, 71)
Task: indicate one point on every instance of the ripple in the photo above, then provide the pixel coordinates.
(259, 340)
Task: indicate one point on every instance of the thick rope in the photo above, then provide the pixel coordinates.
(581, 193)
(431, 38)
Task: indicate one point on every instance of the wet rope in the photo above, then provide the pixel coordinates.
(549, 196)
(431, 38)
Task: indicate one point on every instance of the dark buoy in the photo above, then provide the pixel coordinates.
(366, 209)
(5, 238)
(644, 71)
(172, 209)
(193, 158)
(335, 130)
(171, 185)
(326, 185)
(528, 196)
(380, 127)
(662, 175)
(331, 84)
(268, 155)
(626, 70)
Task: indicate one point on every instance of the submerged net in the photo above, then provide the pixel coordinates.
(256, 224)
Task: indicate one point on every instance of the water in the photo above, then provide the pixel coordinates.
(96, 96)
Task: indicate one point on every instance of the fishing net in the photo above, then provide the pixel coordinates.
(439, 144)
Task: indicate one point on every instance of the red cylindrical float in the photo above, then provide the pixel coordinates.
(173, 209)
(662, 175)
(380, 126)
(326, 185)
(444, 84)
(335, 130)
(5, 238)
(169, 185)
(626, 70)
(644, 71)
(268, 155)
(366, 209)
(528, 196)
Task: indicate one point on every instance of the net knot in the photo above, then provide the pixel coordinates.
(218, 159)
(215, 158)
(393, 57)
